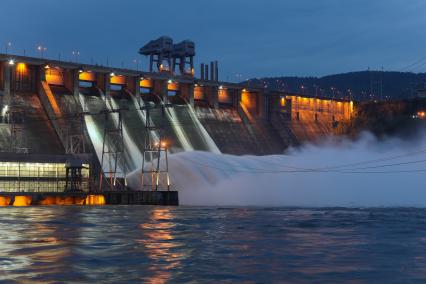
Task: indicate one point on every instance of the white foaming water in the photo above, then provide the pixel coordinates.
(96, 136)
(209, 179)
(136, 155)
(177, 128)
(202, 131)
(142, 115)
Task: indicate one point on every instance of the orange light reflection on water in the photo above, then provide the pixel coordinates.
(160, 245)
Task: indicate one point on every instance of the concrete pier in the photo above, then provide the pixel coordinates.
(165, 198)
(142, 198)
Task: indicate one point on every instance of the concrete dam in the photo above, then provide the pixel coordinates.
(115, 119)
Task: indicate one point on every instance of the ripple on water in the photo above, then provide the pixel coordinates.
(180, 244)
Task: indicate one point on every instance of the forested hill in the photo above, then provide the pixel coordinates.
(360, 85)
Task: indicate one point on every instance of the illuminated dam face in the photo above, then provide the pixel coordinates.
(56, 108)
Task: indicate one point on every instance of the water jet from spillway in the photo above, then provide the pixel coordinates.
(306, 177)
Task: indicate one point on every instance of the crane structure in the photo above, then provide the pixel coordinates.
(162, 50)
(183, 54)
(159, 51)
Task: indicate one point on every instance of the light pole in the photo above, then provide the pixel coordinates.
(316, 90)
(7, 46)
(41, 49)
(350, 94)
(76, 54)
(136, 63)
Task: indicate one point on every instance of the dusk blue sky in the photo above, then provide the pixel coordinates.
(248, 37)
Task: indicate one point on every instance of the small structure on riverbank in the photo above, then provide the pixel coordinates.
(27, 179)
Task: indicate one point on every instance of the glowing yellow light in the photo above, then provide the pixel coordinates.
(4, 200)
(145, 83)
(21, 67)
(22, 200)
(49, 200)
(95, 200)
(47, 67)
(87, 76)
(118, 79)
(59, 200)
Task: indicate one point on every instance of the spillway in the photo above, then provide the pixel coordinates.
(136, 105)
(96, 123)
(132, 149)
(178, 129)
(193, 129)
(174, 135)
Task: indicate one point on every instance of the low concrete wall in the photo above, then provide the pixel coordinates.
(142, 197)
(80, 198)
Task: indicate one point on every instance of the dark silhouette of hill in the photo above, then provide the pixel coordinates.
(364, 85)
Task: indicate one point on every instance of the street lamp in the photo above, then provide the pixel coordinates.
(7, 46)
(316, 90)
(137, 64)
(76, 54)
(42, 50)
(333, 89)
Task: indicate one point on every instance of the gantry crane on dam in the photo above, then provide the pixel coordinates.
(162, 50)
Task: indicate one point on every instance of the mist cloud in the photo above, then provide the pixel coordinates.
(313, 176)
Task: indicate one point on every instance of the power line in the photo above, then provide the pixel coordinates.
(419, 66)
(350, 171)
(366, 162)
(349, 166)
(419, 61)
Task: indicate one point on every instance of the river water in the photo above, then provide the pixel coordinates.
(209, 244)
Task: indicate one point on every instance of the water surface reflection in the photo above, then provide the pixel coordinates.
(167, 244)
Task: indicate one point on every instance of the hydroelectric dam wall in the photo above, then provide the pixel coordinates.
(56, 107)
